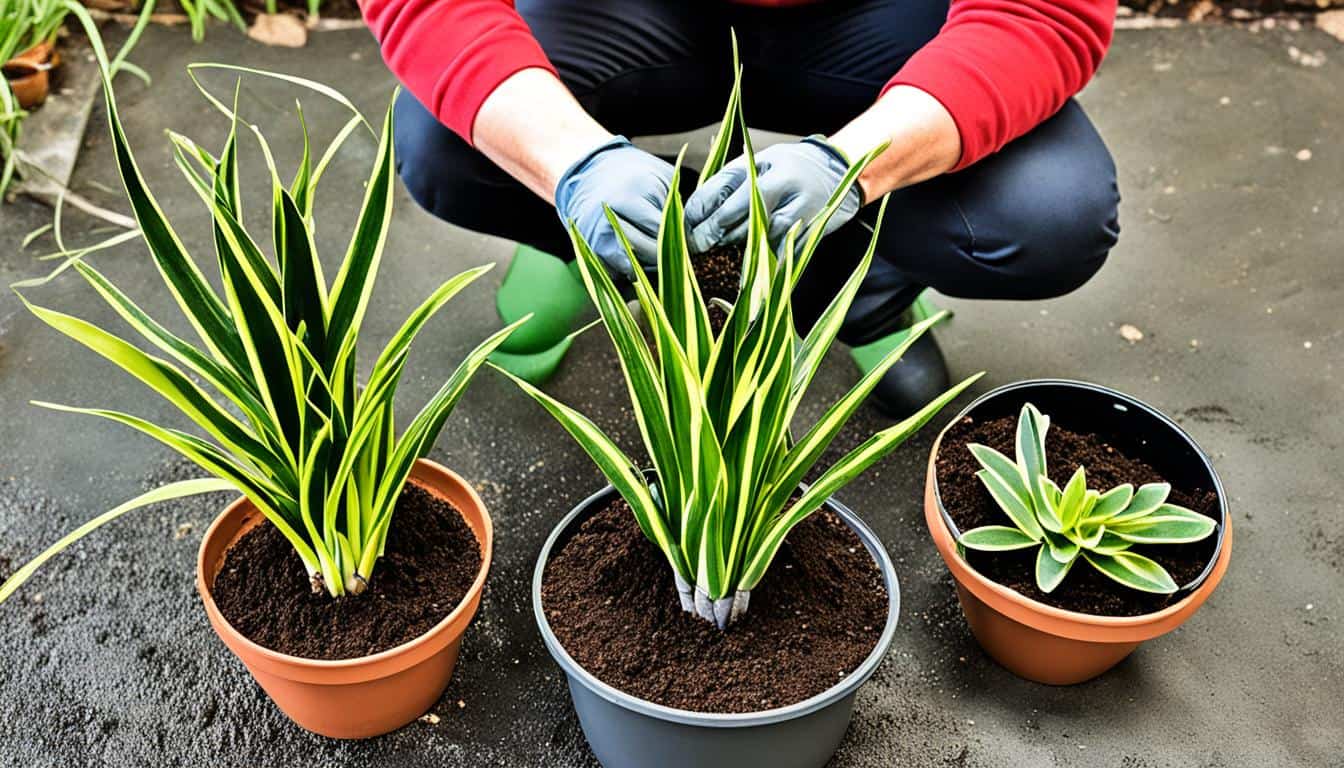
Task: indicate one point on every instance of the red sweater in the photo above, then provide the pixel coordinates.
(1000, 67)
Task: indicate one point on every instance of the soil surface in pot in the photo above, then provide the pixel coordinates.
(431, 560)
(718, 271)
(1084, 590)
(610, 599)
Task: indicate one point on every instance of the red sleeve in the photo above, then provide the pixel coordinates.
(1001, 67)
(451, 54)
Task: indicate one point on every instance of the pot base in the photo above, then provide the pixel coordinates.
(1035, 655)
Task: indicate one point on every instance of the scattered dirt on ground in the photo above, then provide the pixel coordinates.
(430, 562)
(1083, 590)
(610, 598)
(1210, 414)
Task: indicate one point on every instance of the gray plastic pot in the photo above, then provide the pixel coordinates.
(628, 732)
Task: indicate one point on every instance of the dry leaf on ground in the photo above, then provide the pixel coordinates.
(1332, 22)
(279, 29)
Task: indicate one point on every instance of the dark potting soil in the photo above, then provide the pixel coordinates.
(609, 596)
(1084, 589)
(430, 562)
(718, 271)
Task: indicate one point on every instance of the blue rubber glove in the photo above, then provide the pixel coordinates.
(796, 179)
(634, 184)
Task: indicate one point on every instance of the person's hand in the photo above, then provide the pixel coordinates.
(796, 180)
(630, 181)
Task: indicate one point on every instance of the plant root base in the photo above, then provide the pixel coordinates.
(430, 562)
(611, 599)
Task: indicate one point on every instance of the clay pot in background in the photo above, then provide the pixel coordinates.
(29, 74)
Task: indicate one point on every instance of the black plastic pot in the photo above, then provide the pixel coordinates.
(628, 732)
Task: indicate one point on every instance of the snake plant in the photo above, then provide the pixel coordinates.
(715, 411)
(1075, 523)
(289, 425)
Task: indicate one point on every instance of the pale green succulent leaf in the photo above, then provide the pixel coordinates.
(1070, 507)
(1050, 570)
(1109, 544)
(1134, 571)
(996, 538)
(1111, 503)
(1168, 524)
(1017, 509)
(1061, 547)
(1146, 501)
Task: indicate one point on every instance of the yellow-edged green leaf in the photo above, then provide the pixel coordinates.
(1134, 571)
(996, 538)
(1168, 524)
(163, 493)
(1050, 571)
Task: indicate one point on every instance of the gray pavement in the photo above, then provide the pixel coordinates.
(1231, 264)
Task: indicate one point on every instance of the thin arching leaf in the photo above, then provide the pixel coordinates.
(177, 490)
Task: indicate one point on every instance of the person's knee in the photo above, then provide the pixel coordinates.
(1068, 235)
(1045, 242)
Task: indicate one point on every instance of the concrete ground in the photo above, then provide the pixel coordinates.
(1231, 153)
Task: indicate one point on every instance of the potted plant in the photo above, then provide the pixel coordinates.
(28, 47)
(703, 613)
(350, 623)
(1077, 522)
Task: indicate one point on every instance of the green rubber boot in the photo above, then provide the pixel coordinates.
(918, 377)
(542, 284)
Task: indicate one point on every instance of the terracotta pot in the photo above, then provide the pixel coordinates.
(370, 695)
(29, 74)
(1048, 644)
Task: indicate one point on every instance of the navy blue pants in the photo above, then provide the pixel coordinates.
(1032, 221)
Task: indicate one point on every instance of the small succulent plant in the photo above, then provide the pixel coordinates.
(1076, 522)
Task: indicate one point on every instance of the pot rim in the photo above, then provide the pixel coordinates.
(846, 687)
(36, 59)
(1196, 590)
(371, 660)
